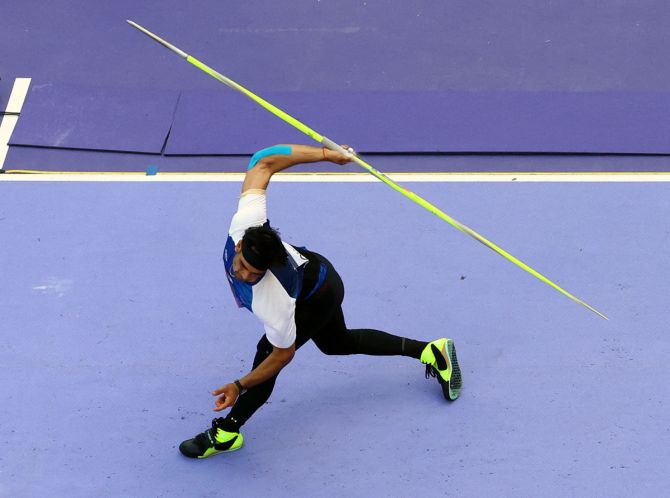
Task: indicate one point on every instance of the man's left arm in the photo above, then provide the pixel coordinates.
(268, 368)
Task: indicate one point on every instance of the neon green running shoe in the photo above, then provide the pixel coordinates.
(441, 362)
(211, 442)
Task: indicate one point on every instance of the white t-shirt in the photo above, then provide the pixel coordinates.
(272, 298)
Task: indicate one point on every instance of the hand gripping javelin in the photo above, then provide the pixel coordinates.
(326, 142)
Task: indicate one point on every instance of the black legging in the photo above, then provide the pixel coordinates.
(320, 319)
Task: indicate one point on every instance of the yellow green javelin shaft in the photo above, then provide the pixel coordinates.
(336, 147)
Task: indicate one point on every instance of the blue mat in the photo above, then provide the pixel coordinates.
(219, 122)
(49, 159)
(224, 122)
(6, 84)
(96, 118)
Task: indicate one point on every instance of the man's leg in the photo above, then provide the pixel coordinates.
(224, 434)
(439, 356)
(255, 397)
(325, 319)
(336, 339)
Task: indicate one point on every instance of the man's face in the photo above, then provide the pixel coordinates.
(242, 270)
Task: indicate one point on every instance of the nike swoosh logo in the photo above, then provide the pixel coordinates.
(225, 446)
(440, 359)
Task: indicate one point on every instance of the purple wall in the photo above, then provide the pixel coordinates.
(346, 45)
(519, 48)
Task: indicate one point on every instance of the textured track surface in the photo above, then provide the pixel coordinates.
(116, 322)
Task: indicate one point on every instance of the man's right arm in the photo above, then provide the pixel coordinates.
(258, 176)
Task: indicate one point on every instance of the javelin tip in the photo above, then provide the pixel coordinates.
(588, 306)
(157, 38)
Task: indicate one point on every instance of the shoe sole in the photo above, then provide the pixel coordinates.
(219, 452)
(453, 386)
(446, 359)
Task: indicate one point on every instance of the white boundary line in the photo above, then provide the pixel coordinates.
(340, 177)
(14, 104)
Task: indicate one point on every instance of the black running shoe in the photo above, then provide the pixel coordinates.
(211, 442)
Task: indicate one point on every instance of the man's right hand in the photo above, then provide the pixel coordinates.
(337, 158)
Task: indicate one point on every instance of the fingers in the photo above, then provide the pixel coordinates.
(350, 150)
(226, 397)
(340, 158)
(341, 155)
(223, 402)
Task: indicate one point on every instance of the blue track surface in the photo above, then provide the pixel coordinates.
(116, 321)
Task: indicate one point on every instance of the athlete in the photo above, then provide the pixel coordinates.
(297, 294)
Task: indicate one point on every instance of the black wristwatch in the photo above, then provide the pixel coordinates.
(239, 387)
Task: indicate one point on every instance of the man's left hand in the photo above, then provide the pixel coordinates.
(227, 395)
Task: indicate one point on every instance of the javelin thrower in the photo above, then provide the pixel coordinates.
(297, 293)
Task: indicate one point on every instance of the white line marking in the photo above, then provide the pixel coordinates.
(18, 95)
(341, 177)
(15, 104)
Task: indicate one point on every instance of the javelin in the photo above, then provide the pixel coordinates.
(326, 142)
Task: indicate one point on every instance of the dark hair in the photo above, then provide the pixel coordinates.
(263, 248)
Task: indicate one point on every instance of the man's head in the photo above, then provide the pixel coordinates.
(259, 249)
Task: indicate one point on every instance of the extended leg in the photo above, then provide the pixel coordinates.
(325, 321)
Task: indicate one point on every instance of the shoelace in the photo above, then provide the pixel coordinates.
(430, 371)
(206, 438)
